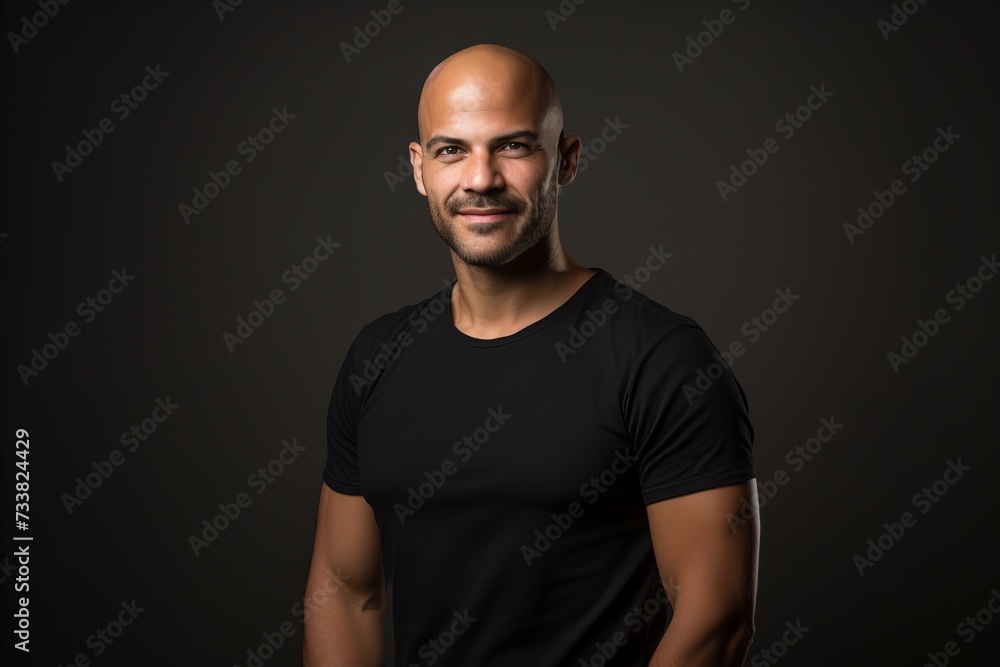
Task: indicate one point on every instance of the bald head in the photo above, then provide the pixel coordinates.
(492, 155)
(485, 80)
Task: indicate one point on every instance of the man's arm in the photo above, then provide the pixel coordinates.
(709, 568)
(345, 592)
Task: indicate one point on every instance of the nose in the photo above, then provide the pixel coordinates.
(480, 172)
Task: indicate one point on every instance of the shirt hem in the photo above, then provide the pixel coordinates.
(698, 484)
(340, 487)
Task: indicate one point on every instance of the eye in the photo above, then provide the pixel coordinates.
(514, 145)
(449, 153)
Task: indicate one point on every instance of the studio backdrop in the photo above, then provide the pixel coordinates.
(203, 203)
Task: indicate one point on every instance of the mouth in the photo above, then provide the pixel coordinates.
(484, 214)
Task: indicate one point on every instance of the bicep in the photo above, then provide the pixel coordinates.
(708, 562)
(347, 553)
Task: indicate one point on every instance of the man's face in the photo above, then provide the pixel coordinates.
(489, 166)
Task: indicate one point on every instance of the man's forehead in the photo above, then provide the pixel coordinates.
(484, 93)
(482, 101)
(468, 112)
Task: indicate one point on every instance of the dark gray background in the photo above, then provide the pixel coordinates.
(655, 184)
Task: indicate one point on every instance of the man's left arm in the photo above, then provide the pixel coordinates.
(708, 563)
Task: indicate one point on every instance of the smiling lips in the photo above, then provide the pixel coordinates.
(484, 214)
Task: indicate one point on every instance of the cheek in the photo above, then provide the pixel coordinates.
(440, 184)
(529, 177)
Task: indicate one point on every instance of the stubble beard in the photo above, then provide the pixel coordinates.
(535, 220)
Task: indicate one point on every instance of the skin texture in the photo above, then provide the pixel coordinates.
(712, 572)
(492, 143)
(345, 593)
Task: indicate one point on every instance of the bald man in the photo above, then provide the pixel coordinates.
(530, 455)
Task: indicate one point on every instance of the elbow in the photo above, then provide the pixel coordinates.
(740, 637)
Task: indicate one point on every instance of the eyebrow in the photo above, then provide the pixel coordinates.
(518, 134)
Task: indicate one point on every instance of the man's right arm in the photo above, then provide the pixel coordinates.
(345, 591)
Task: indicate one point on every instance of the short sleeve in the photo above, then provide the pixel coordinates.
(341, 471)
(687, 416)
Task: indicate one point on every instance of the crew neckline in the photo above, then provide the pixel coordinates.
(592, 282)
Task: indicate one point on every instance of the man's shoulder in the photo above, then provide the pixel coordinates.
(639, 313)
(406, 320)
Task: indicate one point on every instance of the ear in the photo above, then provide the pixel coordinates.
(569, 158)
(417, 160)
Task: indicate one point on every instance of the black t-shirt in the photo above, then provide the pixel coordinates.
(510, 477)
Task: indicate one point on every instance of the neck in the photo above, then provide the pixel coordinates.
(495, 301)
